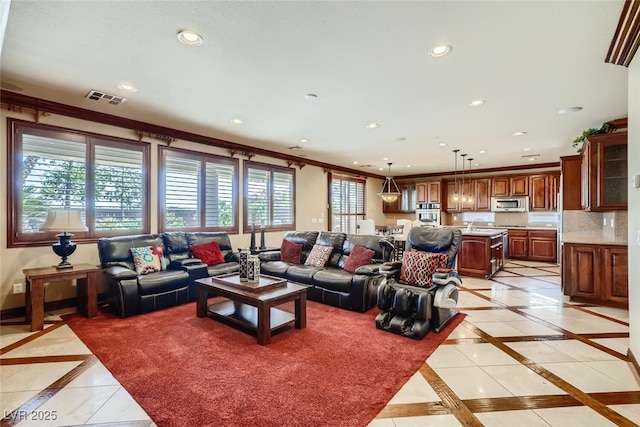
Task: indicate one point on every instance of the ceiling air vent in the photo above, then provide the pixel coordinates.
(101, 96)
(295, 147)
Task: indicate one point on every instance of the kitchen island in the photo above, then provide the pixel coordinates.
(482, 252)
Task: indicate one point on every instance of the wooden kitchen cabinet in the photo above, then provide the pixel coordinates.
(518, 244)
(434, 193)
(596, 273)
(571, 177)
(543, 245)
(604, 172)
(506, 186)
(483, 194)
(429, 191)
(519, 185)
(500, 186)
(422, 192)
(458, 206)
(543, 189)
(481, 256)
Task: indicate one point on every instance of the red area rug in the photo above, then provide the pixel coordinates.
(189, 371)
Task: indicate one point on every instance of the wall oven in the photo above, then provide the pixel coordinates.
(428, 213)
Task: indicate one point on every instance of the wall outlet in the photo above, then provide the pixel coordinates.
(18, 288)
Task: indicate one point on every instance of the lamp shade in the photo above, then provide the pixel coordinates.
(390, 192)
(61, 220)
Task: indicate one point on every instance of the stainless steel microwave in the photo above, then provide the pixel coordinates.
(510, 204)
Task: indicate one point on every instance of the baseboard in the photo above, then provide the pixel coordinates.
(12, 313)
(634, 363)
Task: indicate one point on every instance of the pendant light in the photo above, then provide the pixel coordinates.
(455, 175)
(390, 192)
(470, 199)
(464, 198)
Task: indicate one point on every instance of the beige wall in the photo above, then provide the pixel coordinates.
(634, 207)
(311, 211)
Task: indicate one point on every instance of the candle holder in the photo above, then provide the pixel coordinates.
(262, 245)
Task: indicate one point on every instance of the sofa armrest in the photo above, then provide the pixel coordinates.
(269, 256)
(182, 263)
(369, 270)
(119, 273)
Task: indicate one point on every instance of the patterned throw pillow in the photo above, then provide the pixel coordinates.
(209, 253)
(148, 259)
(418, 267)
(358, 257)
(290, 252)
(319, 256)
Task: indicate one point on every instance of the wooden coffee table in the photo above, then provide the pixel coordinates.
(252, 306)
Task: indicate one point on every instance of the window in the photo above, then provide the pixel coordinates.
(346, 196)
(51, 167)
(198, 192)
(269, 199)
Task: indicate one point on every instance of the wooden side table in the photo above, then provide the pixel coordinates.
(86, 290)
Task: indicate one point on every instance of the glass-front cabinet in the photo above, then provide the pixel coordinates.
(604, 172)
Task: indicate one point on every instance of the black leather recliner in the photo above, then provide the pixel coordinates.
(410, 310)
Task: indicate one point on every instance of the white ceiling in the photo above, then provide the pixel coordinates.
(366, 61)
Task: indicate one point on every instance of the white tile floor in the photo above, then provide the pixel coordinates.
(521, 339)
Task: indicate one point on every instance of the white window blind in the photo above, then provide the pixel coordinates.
(181, 192)
(220, 206)
(199, 191)
(119, 187)
(270, 197)
(347, 203)
(53, 176)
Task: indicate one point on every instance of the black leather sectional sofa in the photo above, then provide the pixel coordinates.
(132, 293)
(331, 284)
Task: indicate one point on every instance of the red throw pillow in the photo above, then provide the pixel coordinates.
(418, 267)
(358, 257)
(209, 253)
(290, 252)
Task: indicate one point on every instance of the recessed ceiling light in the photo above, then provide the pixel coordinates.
(385, 158)
(441, 50)
(527, 149)
(311, 96)
(190, 38)
(477, 164)
(408, 166)
(532, 159)
(443, 144)
(127, 87)
(355, 162)
(304, 140)
(569, 110)
(380, 169)
(482, 151)
(372, 126)
(477, 103)
(519, 133)
(237, 121)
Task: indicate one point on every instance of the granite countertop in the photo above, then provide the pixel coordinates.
(593, 239)
(487, 232)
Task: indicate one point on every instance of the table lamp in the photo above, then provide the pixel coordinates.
(63, 221)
